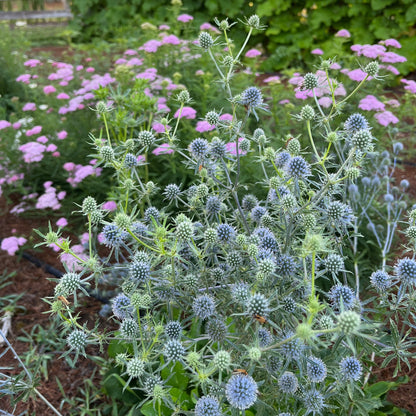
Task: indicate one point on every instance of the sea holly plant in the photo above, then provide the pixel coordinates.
(242, 298)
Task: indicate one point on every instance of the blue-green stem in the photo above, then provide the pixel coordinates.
(106, 128)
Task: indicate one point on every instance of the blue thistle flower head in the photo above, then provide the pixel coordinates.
(313, 401)
(356, 122)
(249, 202)
(258, 304)
(139, 229)
(350, 368)
(225, 233)
(286, 265)
(172, 192)
(199, 148)
(265, 337)
(241, 391)
(174, 350)
(342, 297)
(121, 306)
(207, 406)
(316, 369)
(257, 212)
(282, 158)
(130, 161)
(204, 306)
(268, 242)
(405, 270)
(113, 235)
(173, 329)
(150, 213)
(240, 292)
(213, 205)
(380, 280)
(288, 382)
(139, 271)
(217, 148)
(252, 97)
(293, 349)
(264, 254)
(298, 167)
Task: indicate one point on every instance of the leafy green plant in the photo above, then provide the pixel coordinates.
(228, 302)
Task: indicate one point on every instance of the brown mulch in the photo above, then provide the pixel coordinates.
(35, 284)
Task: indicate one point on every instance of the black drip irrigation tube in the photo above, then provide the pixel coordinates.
(58, 274)
(405, 162)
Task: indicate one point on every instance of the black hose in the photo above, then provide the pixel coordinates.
(58, 274)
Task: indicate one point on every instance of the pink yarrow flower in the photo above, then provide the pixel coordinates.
(171, 40)
(29, 107)
(62, 96)
(34, 130)
(32, 151)
(187, 112)
(343, 33)
(392, 58)
(62, 222)
(130, 52)
(357, 75)
(109, 206)
(202, 126)
(209, 26)
(185, 18)
(49, 89)
(163, 149)
(275, 79)
(410, 85)
(42, 139)
(4, 124)
(151, 46)
(393, 43)
(62, 135)
(317, 51)
(12, 244)
(226, 117)
(25, 78)
(385, 118)
(371, 103)
(232, 149)
(32, 63)
(252, 53)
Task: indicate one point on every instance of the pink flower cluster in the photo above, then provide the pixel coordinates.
(187, 112)
(77, 173)
(12, 244)
(50, 199)
(383, 117)
(379, 51)
(410, 85)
